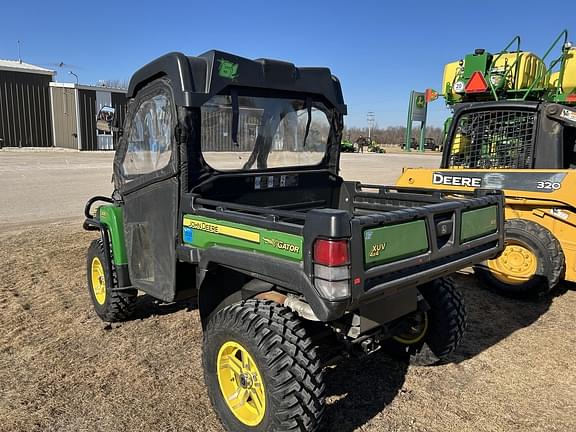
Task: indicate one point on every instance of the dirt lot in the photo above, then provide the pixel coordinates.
(61, 369)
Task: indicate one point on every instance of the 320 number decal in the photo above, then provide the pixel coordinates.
(548, 185)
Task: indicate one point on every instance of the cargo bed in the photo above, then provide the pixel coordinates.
(399, 237)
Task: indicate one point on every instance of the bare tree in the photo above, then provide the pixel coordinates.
(391, 135)
(113, 83)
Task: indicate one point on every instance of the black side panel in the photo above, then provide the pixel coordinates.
(549, 139)
(150, 237)
(87, 120)
(25, 110)
(289, 275)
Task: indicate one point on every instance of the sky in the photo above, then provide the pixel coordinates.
(379, 50)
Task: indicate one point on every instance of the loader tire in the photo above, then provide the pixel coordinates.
(531, 264)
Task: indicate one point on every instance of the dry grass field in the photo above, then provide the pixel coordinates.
(62, 369)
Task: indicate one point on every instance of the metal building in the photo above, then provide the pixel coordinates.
(25, 114)
(216, 127)
(74, 110)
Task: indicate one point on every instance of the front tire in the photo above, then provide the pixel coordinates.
(532, 262)
(262, 371)
(110, 305)
(441, 327)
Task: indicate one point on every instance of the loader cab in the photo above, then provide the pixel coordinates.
(510, 135)
(219, 127)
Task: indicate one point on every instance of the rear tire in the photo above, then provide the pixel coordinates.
(110, 305)
(282, 389)
(441, 327)
(532, 262)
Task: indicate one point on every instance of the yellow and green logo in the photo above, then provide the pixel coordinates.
(420, 101)
(227, 69)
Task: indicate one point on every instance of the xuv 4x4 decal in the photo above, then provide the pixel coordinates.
(376, 249)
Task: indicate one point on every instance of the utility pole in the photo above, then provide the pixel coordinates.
(370, 118)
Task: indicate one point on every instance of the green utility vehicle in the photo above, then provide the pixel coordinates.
(227, 191)
(430, 144)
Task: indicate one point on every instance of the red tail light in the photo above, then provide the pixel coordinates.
(331, 252)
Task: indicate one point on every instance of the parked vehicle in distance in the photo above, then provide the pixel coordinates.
(429, 144)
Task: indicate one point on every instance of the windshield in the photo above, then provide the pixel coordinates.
(270, 133)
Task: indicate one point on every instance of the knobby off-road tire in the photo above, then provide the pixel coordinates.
(447, 316)
(441, 327)
(532, 262)
(283, 369)
(110, 305)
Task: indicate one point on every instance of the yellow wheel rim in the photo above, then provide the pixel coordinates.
(241, 383)
(98, 280)
(416, 332)
(517, 264)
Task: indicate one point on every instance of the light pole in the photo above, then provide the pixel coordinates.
(370, 118)
(76, 76)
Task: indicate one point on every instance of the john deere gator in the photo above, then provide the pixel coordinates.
(227, 191)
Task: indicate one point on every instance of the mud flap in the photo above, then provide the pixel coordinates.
(387, 308)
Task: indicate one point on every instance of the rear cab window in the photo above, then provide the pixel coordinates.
(271, 133)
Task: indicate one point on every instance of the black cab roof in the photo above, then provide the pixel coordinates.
(195, 79)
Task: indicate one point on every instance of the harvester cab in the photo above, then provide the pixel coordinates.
(514, 128)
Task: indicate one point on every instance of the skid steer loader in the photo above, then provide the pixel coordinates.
(514, 128)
